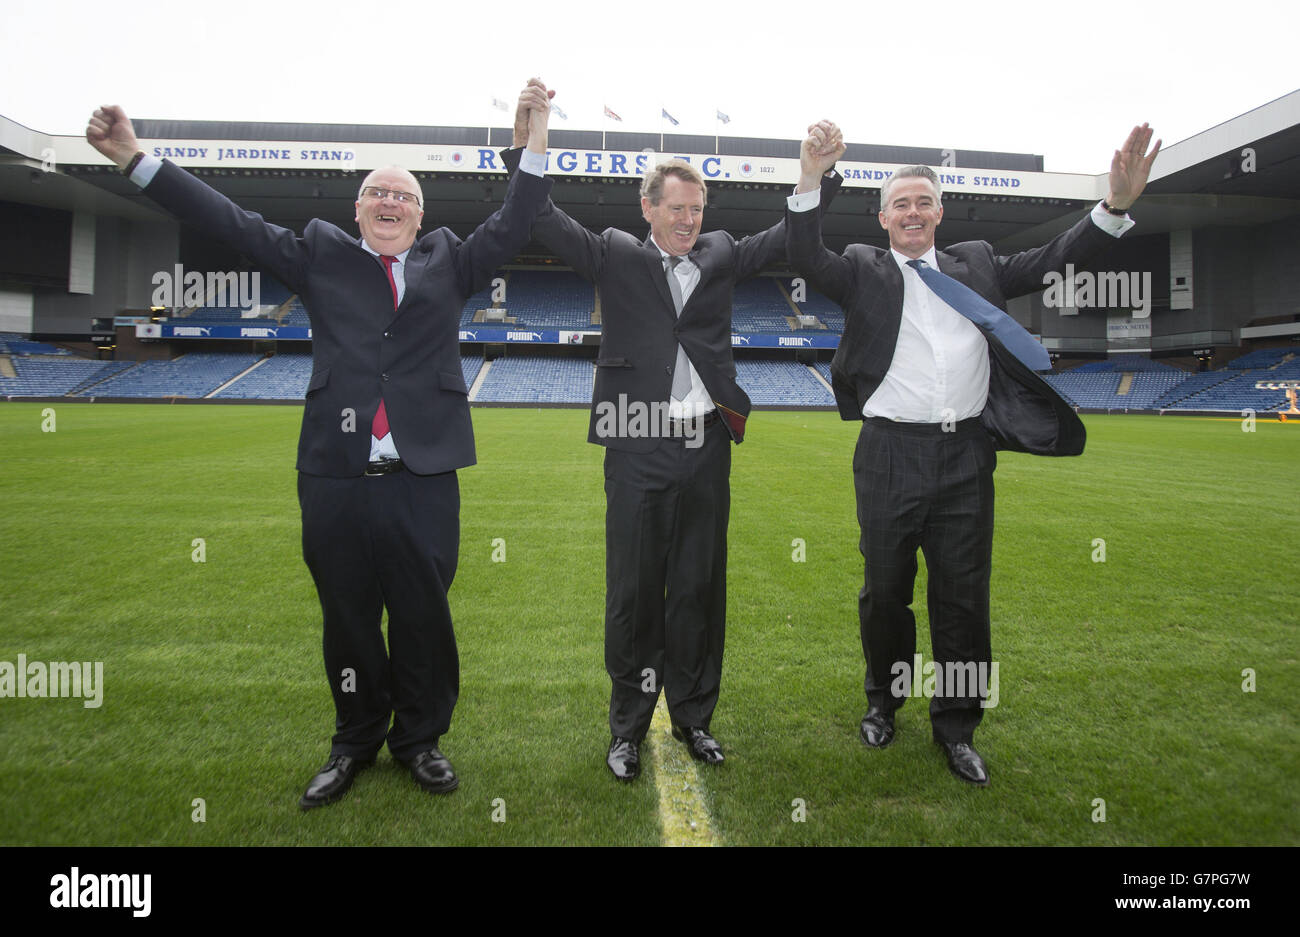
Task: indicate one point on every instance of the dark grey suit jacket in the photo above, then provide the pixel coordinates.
(361, 347)
(640, 328)
(1023, 413)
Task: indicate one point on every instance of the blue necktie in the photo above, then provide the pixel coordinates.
(984, 314)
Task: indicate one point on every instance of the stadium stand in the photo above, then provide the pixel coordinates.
(1129, 362)
(295, 314)
(536, 379)
(56, 376)
(549, 300)
(760, 307)
(830, 314)
(1190, 386)
(11, 344)
(1110, 390)
(272, 295)
(480, 300)
(781, 383)
(280, 377)
(470, 365)
(1264, 358)
(285, 376)
(192, 375)
(1238, 392)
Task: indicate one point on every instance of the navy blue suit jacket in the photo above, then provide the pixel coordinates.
(361, 347)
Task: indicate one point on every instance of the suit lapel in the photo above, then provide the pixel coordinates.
(889, 307)
(417, 261)
(417, 264)
(892, 298)
(954, 267)
(703, 258)
(655, 266)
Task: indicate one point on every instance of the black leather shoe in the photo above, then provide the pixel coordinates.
(702, 746)
(624, 759)
(332, 781)
(877, 728)
(432, 771)
(966, 763)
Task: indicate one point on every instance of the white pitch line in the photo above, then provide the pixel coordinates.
(683, 817)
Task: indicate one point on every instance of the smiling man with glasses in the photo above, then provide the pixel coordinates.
(385, 427)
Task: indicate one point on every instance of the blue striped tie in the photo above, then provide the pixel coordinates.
(984, 314)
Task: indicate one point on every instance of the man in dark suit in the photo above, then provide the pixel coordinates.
(666, 407)
(941, 377)
(385, 427)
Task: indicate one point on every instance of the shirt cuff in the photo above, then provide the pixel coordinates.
(1114, 225)
(805, 201)
(145, 170)
(534, 163)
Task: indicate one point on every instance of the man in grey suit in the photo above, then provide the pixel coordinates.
(667, 408)
(940, 377)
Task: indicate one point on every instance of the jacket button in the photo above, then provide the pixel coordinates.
(388, 335)
(668, 369)
(383, 377)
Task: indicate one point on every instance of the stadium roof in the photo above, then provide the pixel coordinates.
(1244, 171)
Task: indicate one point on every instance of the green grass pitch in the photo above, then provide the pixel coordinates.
(1120, 681)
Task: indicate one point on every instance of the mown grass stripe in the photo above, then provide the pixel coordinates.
(683, 814)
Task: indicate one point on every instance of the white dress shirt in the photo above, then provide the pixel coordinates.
(697, 402)
(940, 369)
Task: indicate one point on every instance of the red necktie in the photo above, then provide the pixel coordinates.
(379, 428)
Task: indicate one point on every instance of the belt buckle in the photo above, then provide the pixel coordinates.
(383, 467)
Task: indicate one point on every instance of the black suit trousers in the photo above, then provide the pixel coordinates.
(666, 514)
(919, 486)
(385, 541)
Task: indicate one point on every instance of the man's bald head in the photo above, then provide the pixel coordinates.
(410, 184)
(389, 210)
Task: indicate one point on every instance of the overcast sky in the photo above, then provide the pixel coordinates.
(1066, 81)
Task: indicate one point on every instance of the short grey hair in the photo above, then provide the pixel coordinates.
(908, 172)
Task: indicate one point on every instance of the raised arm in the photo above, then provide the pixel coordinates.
(506, 232)
(828, 272)
(1025, 272)
(194, 202)
(575, 245)
(818, 154)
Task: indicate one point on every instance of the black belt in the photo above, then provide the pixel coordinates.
(384, 467)
(707, 420)
(960, 427)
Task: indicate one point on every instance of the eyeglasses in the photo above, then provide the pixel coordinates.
(406, 198)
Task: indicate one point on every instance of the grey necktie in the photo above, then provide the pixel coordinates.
(682, 370)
